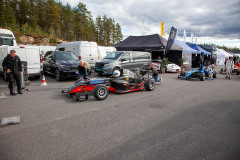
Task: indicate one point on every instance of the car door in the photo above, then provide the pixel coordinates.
(126, 61)
(48, 62)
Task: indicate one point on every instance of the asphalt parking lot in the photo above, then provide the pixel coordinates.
(179, 119)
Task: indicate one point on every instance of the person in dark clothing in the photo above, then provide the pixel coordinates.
(155, 73)
(201, 61)
(13, 67)
(213, 61)
(82, 68)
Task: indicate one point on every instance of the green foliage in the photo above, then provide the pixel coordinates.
(164, 62)
(181, 61)
(52, 18)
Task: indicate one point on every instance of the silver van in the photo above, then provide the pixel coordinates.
(118, 60)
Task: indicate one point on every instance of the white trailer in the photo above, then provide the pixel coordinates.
(84, 50)
(30, 54)
(7, 38)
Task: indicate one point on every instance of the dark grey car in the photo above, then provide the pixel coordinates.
(122, 60)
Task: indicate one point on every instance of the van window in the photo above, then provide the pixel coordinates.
(126, 56)
(113, 55)
(61, 49)
(140, 55)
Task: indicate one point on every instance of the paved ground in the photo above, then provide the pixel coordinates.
(180, 119)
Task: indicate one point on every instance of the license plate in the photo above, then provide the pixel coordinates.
(98, 69)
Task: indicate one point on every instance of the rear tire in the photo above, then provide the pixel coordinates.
(37, 77)
(100, 92)
(58, 75)
(149, 84)
(202, 76)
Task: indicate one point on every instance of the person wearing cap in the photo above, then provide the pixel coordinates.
(13, 67)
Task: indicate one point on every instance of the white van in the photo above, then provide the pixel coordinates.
(7, 38)
(84, 50)
(30, 54)
(103, 51)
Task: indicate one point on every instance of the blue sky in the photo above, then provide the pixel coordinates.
(212, 21)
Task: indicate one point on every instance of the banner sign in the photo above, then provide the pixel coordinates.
(170, 41)
(162, 29)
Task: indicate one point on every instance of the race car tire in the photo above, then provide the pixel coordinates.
(182, 73)
(238, 72)
(58, 75)
(100, 92)
(214, 74)
(202, 76)
(149, 84)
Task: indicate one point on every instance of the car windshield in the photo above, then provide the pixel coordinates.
(7, 41)
(113, 55)
(66, 56)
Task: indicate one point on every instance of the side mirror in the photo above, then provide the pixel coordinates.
(123, 59)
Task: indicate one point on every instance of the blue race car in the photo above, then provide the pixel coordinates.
(201, 73)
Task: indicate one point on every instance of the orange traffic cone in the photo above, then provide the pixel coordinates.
(44, 83)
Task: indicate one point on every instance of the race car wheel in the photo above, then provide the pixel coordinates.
(238, 72)
(58, 75)
(149, 84)
(214, 74)
(202, 76)
(100, 92)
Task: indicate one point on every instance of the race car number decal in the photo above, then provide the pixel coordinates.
(97, 81)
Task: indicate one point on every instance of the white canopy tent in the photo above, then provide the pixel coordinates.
(186, 52)
(227, 55)
(220, 57)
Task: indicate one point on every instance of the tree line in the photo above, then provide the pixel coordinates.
(51, 17)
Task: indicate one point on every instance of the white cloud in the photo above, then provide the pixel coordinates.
(212, 20)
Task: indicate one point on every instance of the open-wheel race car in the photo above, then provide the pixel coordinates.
(99, 88)
(202, 73)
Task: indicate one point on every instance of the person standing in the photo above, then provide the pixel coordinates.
(229, 67)
(83, 68)
(201, 61)
(13, 67)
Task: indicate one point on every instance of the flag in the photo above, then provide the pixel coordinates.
(170, 41)
(184, 35)
(162, 29)
(192, 36)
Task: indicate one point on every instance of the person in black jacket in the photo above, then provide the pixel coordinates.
(83, 68)
(13, 67)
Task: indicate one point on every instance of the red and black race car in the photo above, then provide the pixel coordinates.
(101, 87)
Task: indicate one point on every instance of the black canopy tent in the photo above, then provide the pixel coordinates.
(155, 44)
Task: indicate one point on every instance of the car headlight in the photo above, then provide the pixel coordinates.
(106, 65)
